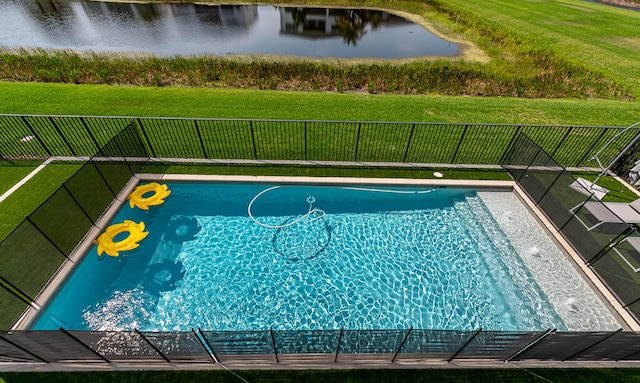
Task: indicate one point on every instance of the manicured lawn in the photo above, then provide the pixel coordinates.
(27, 198)
(104, 100)
(10, 175)
(600, 37)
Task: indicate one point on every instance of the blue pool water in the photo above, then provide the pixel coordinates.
(352, 258)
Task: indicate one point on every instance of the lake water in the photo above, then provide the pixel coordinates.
(196, 29)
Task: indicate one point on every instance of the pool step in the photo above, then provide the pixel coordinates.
(507, 269)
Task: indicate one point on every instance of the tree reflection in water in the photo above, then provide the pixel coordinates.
(352, 24)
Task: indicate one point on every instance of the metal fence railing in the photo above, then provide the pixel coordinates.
(28, 138)
(597, 231)
(322, 346)
(32, 253)
(118, 148)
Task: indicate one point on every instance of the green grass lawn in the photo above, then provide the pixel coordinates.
(105, 100)
(600, 37)
(27, 198)
(10, 175)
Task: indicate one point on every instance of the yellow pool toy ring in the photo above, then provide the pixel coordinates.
(138, 197)
(107, 245)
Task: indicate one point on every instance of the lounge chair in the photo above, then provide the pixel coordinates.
(589, 188)
(610, 212)
(634, 242)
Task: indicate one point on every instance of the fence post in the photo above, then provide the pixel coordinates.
(146, 137)
(530, 344)
(204, 150)
(305, 140)
(335, 360)
(593, 345)
(114, 141)
(406, 150)
(84, 345)
(93, 138)
(628, 355)
(206, 342)
(156, 349)
(628, 231)
(253, 138)
(11, 288)
(550, 186)
(204, 345)
(273, 341)
(472, 337)
(64, 138)
(562, 140)
(507, 149)
(47, 238)
(406, 336)
(455, 153)
(590, 148)
(355, 156)
(632, 302)
(531, 162)
(64, 185)
(23, 349)
(113, 193)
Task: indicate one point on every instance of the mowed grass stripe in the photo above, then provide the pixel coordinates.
(590, 34)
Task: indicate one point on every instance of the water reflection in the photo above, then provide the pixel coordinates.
(350, 24)
(193, 29)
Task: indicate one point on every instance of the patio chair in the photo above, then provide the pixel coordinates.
(610, 212)
(634, 242)
(589, 188)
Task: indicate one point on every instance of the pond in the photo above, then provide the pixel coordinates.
(195, 29)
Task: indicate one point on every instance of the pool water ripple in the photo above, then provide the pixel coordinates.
(439, 260)
(379, 271)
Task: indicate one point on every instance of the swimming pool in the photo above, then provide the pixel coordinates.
(230, 256)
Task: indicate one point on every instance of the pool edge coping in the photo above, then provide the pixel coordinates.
(500, 184)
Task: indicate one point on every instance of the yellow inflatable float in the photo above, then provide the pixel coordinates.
(106, 243)
(141, 198)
